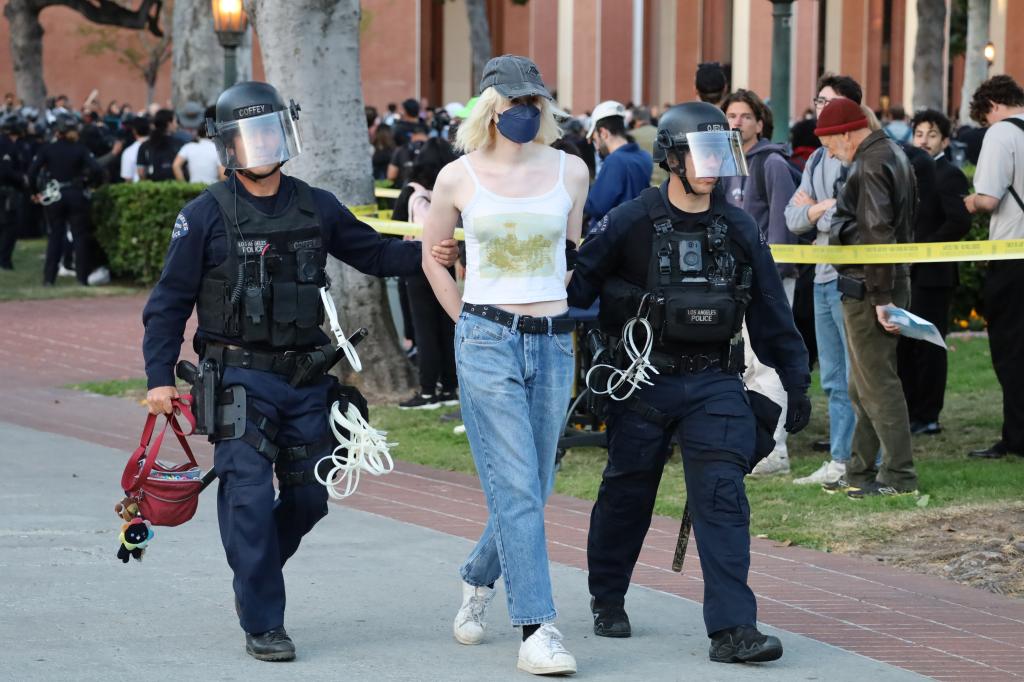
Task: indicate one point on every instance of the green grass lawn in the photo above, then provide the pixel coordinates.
(779, 510)
(25, 282)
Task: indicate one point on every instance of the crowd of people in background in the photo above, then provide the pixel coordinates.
(793, 191)
(51, 159)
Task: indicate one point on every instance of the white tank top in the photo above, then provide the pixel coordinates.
(515, 246)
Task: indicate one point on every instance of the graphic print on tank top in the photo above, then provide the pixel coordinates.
(518, 244)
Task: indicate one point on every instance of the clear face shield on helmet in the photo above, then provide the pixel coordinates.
(715, 154)
(259, 141)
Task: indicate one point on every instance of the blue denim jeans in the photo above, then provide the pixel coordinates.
(834, 363)
(515, 391)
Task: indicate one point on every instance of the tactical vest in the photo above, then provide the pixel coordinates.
(267, 290)
(697, 288)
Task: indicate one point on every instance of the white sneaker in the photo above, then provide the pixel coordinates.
(469, 621)
(543, 654)
(64, 272)
(99, 277)
(829, 472)
(772, 465)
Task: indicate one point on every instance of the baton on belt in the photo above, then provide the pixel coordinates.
(683, 540)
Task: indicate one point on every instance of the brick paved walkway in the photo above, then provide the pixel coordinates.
(920, 623)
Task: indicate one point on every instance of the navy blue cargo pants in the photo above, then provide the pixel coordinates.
(260, 533)
(715, 427)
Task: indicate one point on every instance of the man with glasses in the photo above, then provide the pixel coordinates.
(811, 208)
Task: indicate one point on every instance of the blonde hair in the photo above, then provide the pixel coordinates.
(479, 130)
(873, 124)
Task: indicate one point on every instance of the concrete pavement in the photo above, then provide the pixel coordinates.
(370, 598)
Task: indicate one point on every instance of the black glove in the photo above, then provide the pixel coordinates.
(798, 411)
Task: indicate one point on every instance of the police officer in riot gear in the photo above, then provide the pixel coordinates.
(678, 270)
(12, 184)
(250, 254)
(60, 175)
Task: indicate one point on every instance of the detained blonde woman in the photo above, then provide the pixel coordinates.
(521, 204)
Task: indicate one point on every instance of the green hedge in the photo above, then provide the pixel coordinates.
(134, 222)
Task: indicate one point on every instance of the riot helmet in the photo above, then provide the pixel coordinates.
(12, 124)
(254, 128)
(65, 123)
(702, 130)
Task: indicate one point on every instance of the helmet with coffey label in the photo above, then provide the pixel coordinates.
(702, 130)
(254, 128)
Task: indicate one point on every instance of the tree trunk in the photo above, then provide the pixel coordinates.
(26, 51)
(975, 66)
(928, 50)
(479, 37)
(310, 51)
(197, 67)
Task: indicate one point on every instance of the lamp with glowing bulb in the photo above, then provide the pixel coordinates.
(990, 53)
(229, 23)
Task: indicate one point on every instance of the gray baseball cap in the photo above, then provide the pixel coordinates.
(191, 115)
(513, 76)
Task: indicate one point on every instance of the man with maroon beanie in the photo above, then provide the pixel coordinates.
(876, 206)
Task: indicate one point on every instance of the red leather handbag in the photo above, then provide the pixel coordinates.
(167, 494)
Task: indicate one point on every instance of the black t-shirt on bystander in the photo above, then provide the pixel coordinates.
(156, 156)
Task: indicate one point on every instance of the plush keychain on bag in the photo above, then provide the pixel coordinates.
(127, 509)
(135, 535)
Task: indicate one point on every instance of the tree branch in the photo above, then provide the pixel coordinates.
(112, 14)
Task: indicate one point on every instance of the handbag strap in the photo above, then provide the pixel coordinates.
(133, 477)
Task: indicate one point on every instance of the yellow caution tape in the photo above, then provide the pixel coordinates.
(870, 254)
(363, 209)
(880, 254)
(386, 193)
(398, 227)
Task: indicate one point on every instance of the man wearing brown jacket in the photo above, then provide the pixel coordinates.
(876, 206)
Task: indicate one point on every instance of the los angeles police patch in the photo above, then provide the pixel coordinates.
(180, 227)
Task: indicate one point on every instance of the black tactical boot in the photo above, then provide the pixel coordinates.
(273, 645)
(744, 644)
(610, 619)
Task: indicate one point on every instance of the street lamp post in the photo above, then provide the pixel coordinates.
(782, 16)
(229, 23)
(990, 53)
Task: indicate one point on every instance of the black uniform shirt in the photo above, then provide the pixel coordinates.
(65, 161)
(199, 244)
(10, 163)
(620, 245)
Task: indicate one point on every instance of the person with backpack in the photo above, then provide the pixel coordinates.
(764, 194)
(809, 212)
(999, 190)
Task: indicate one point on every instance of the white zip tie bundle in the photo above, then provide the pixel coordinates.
(342, 341)
(364, 449)
(640, 368)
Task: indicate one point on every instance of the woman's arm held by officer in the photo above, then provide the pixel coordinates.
(440, 226)
(577, 183)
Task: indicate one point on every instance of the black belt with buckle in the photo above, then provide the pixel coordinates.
(526, 324)
(728, 359)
